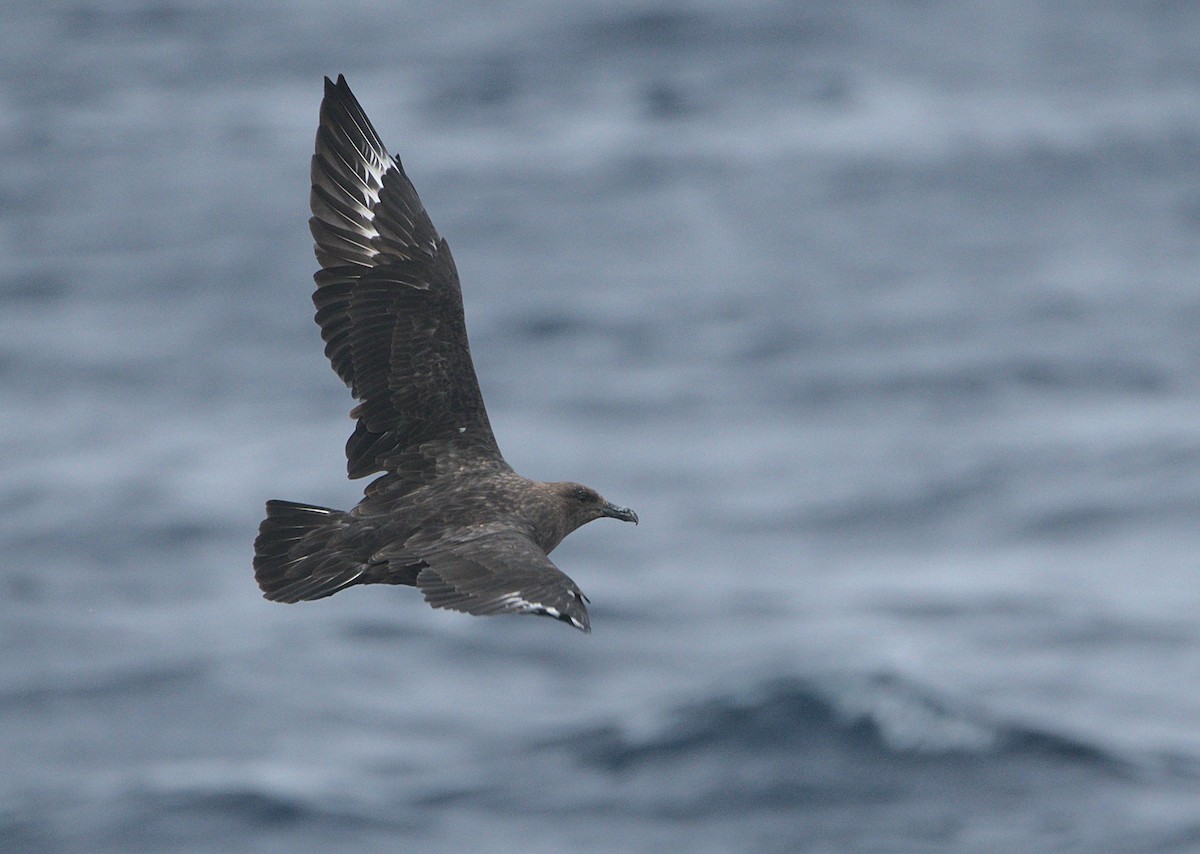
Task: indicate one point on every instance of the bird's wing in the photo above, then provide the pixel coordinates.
(501, 572)
(390, 307)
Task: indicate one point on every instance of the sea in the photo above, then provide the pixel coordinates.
(883, 316)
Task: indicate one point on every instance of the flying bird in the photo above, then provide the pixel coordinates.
(447, 514)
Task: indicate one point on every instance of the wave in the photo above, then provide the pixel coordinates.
(879, 719)
(199, 821)
(830, 761)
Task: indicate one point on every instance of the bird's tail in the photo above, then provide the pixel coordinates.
(296, 556)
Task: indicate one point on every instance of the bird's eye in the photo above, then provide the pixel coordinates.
(581, 494)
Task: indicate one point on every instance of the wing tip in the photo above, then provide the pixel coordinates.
(443, 594)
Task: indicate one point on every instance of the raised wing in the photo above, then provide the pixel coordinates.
(499, 573)
(389, 306)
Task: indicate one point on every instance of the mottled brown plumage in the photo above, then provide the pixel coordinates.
(448, 515)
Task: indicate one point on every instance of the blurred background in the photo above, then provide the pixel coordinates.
(883, 316)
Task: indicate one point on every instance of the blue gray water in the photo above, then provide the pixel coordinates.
(884, 317)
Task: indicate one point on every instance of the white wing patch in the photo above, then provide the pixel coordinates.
(516, 603)
(373, 185)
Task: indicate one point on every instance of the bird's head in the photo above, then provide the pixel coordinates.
(581, 504)
(587, 504)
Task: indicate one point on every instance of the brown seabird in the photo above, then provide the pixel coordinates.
(448, 515)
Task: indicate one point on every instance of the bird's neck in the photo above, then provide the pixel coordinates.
(550, 518)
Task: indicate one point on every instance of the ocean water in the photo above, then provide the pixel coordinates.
(883, 316)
